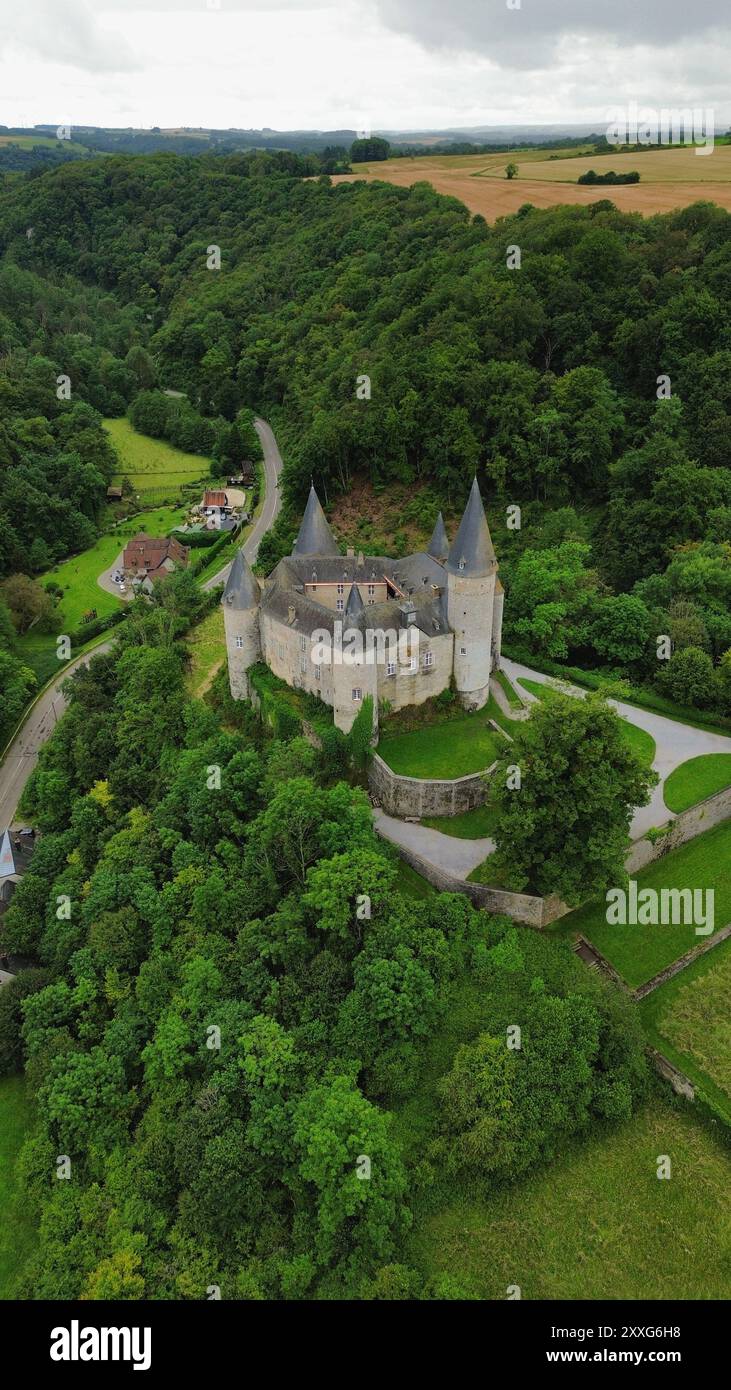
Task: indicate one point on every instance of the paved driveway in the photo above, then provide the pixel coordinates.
(455, 856)
(675, 744)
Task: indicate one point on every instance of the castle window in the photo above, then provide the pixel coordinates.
(239, 642)
(303, 642)
(391, 668)
(339, 604)
(463, 651)
(341, 588)
(317, 673)
(413, 664)
(371, 590)
(280, 649)
(357, 692)
(428, 659)
(303, 664)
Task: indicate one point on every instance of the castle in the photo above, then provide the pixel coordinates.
(319, 620)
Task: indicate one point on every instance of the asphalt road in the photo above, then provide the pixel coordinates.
(22, 755)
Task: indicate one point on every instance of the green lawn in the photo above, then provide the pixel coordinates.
(597, 1222)
(639, 952)
(453, 748)
(508, 690)
(689, 1020)
(153, 463)
(470, 825)
(17, 1232)
(206, 644)
(78, 576)
(641, 743)
(695, 780)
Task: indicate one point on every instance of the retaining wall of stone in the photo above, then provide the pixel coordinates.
(684, 827)
(419, 796)
(522, 907)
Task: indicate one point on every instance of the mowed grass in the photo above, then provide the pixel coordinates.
(641, 743)
(689, 1019)
(17, 1231)
(152, 463)
(451, 749)
(508, 690)
(469, 825)
(639, 952)
(78, 576)
(597, 1222)
(206, 645)
(696, 779)
(411, 884)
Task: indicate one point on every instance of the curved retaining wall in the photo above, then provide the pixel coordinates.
(686, 825)
(418, 796)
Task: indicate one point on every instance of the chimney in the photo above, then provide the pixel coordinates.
(350, 552)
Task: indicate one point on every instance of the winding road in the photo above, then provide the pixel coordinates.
(22, 755)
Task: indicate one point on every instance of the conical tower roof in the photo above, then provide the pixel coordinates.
(315, 536)
(242, 587)
(438, 546)
(472, 550)
(354, 607)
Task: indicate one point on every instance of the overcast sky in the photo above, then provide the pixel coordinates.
(403, 64)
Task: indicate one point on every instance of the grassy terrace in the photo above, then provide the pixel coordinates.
(453, 748)
(508, 690)
(153, 464)
(695, 780)
(641, 743)
(596, 1223)
(17, 1233)
(639, 952)
(689, 1020)
(206, 644)
(470, 825)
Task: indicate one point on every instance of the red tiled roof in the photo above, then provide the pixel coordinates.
(215, 499)
(148, 553)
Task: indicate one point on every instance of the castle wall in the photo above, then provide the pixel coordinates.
(497, 627)
(414, 687)
(470, 603)
(421, 796)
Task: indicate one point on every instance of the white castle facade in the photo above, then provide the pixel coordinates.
(343, 627)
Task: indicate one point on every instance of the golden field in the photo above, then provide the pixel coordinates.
(670, 179)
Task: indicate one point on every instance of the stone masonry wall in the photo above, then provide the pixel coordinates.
(417, 797)
(685, 827)
(534, 912)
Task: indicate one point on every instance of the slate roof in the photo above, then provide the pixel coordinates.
(315, 536)
(439, 544)
(242, 587)
(472, 550)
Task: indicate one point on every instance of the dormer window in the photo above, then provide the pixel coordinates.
(462, 563)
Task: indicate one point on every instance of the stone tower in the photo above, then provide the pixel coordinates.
(241, 620)
(471, 573)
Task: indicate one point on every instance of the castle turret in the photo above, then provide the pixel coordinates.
(241, 621)
(357, 676)
(315, 536)
(438, 546)
(471, 573)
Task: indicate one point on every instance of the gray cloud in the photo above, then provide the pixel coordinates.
(69, 35)
(527, 37)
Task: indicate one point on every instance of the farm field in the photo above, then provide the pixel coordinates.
(695, 780)
(27, 142)
(669, 179)
(639, 952)
(453, 748)
(17, 1232)
(595, 1223)
(153, 463)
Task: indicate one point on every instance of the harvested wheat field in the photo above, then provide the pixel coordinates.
(669, 178)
